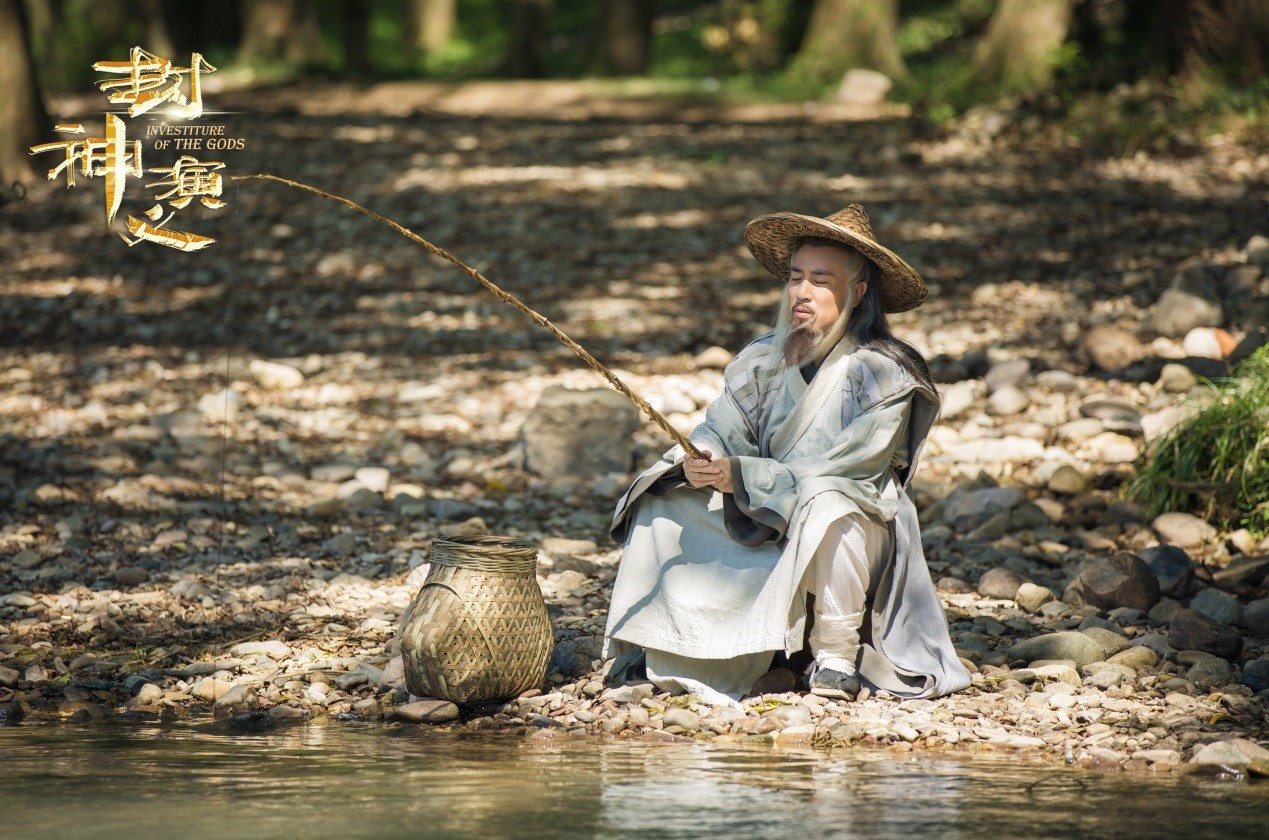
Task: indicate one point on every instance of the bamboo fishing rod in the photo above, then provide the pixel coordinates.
(539, 319)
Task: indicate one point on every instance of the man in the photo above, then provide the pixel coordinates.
(807, 456)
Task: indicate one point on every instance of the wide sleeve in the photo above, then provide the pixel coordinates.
(766, 492)
(727, 430)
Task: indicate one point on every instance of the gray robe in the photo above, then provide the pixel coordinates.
(717, 580)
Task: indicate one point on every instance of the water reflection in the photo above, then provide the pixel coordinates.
(353, 781)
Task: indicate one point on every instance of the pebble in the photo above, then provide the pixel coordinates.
(275, 376)
(425, 711)
(1000, 583)
(1176, 379)
(1067, 480)
(1031, 597)
(1007, 400)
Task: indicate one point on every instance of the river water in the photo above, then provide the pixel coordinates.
(345, 781)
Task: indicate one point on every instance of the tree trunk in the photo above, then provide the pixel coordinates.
(1229, 32)
(157, 39)
(1020, 49)
(847, 34)
(23, 120)
(356, 33)
(428, 26)
(530, 41)
(281, 30)
(623, 38)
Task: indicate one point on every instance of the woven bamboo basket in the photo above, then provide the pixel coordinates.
(479, 630)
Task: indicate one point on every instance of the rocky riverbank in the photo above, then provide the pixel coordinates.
(220, 478)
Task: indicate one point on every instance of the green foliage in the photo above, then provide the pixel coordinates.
(1216, 463)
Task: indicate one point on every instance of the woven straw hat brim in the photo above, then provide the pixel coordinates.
(770, 239)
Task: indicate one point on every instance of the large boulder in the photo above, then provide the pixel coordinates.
(580, 435)
(1191, 630)
(1123, 580)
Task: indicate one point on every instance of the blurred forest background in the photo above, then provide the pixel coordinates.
(1116, 74)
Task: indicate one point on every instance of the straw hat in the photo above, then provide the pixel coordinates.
(771, 239)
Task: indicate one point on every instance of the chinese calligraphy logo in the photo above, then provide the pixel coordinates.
(148, 82)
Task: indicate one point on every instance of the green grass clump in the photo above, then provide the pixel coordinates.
(1216, 463)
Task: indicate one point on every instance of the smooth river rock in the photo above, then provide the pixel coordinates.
(1123, 580)
(1183, 529)
(1191, 630)
(1067, 644)
(1219, 606)
(1172, 567)
(425, 711)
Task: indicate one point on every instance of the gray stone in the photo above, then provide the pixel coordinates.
(1183, 529)
(364, 500)
(1135, 657)
(1109, 347)
(425, 711)
(1000, 583)
(582, 435)
(565, 547)
(1067, 480)
(1101, 624)
(9, 677)
(238, 700)
(1257, 250)
(1123, 580)
(1058, 380)
(860, 86)
(451, 510)
(957, 398)
(1191, 630)
(130, 576)
(1013, 373)
(1208, 671)
(1172, 567)
(274, 649)
(982, 501)
(1176, 379)
(1236, 752)
(1007, 400)
(1110, 643)
(373, 478)
(1067, 644)
(1219, 606)
(1031, 596)
(1178, 312)
(274, 376)
(573, 657)
(1256, 618)
(1026, 517)
(1109, 408)
(1243, 573)
(790, 715)
(341, 545)
(1256, 674)
(1203, 343)
(393, 676)
(685, 718)
(712, 358)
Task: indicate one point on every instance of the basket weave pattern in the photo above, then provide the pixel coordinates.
(479, 630)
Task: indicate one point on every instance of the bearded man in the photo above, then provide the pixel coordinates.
(808, 453)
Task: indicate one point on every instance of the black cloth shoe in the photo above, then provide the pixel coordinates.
(826, 682)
